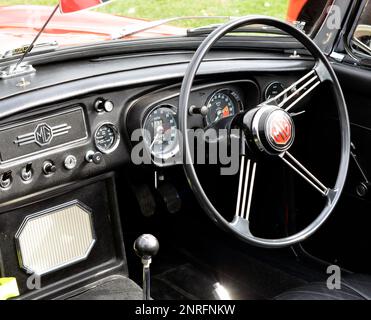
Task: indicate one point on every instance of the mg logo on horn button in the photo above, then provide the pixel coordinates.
(280, 130)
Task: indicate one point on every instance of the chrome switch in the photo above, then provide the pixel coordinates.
(26, 173)
(6, 180)
(70, 162)
(49, 168)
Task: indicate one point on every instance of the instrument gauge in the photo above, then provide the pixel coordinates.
(106, 138)
(273, 90)
(160, 132)
(222, 104)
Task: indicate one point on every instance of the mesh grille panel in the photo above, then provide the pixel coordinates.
(60, 237)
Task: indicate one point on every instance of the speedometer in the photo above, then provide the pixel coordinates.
(160, 132)
(223, 103)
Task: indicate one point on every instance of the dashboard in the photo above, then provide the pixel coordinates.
(55, 136)
(209, 103)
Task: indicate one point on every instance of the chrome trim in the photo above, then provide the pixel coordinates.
(320, 186)
(176, 149)
(237, 99)
(31, 137)
(255, 128)
(266, 97)
(302, 96)
(38, 153)
(72, 203)
(293, 90)
(252, 182)
(117, 138)
(270, 139)
(339, 57)
(245, 186)
(15, 70)
(242, 169)
(37, 48)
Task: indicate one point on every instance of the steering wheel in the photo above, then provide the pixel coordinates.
(268, 129)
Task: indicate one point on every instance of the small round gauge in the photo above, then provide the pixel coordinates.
(160, 132)
(106, 138)
(222, 104)
(273, 90)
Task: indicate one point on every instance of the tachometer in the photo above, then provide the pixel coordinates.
(223, 103)
(160, 132)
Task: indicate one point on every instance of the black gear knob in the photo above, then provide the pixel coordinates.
(146, 246)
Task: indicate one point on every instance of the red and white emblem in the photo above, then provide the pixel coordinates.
(280, 129)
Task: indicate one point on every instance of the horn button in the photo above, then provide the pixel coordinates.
(272, 129)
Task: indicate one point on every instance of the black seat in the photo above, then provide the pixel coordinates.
(353, 287)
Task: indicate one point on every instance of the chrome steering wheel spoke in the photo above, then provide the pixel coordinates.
(245, 187)
(301, 170)
(301, 88)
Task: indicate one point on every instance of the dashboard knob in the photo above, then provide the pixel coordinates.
(362, 189)
(203, 110)
(94, 157)
(101, 105)
(49, 168)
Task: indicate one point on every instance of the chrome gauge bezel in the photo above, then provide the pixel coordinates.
(232, 94)
(160, 159)
(269, 86)
(116, 142)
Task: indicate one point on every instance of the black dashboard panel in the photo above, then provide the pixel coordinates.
(70, 99)
(34, 170)
(247, 90)
(37, 134)
(245, 93)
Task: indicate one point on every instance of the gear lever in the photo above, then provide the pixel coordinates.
(146, 246)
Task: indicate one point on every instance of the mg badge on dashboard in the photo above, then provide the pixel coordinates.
(43, 134)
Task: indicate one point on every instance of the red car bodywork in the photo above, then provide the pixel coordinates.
(295, 8)
(19, 24)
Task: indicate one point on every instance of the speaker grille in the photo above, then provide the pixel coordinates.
(55, 238)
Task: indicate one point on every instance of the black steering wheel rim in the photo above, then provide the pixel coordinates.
(324, 72)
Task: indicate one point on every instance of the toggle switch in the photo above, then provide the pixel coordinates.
(6, 180)
(27, 172)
